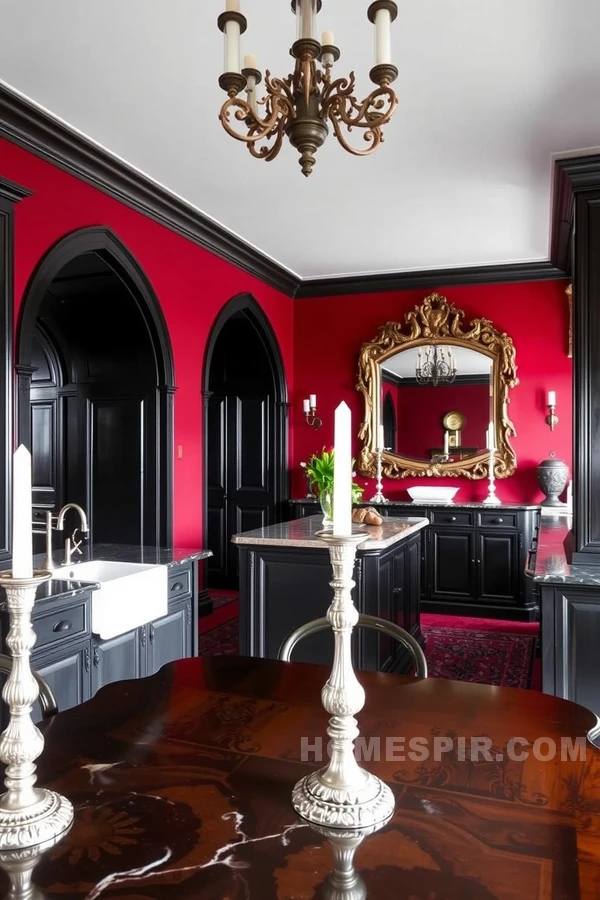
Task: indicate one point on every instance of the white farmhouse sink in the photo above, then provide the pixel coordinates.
(130, 594)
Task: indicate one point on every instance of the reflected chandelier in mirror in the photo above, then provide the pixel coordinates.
(432, 386)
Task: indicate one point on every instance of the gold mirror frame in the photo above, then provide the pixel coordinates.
(438, 322)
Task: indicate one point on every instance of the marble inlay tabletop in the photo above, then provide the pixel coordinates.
(305, 533)
(551, 560)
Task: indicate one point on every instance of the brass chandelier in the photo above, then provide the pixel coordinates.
(302, 104)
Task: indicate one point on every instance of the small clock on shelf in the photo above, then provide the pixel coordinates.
(453, 423)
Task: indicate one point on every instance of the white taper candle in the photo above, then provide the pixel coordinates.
(342, 471)
(22, 532)
(232, 47)
(383, 37)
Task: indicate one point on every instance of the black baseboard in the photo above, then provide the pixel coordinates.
(480, 610)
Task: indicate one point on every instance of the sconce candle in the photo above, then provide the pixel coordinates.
(446, 443)
(342, 471)
(313, 401)
(306, 405)
(552, 418)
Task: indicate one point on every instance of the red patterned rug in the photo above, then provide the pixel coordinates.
(500, 657)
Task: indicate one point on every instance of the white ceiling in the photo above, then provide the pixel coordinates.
(488, 92)
(468, 362)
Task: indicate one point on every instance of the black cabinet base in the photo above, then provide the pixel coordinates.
(480, 610)
(205, 604)
(282, 588)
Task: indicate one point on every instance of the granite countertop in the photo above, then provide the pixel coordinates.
(551, 564)
(164, 556)
(59, 587)
(420, 503)
(305, 533)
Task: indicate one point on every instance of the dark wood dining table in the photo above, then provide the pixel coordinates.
(181, 784)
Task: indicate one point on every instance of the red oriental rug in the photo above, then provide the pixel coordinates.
(484, 651)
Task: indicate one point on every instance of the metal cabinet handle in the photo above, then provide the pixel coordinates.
(63, 625)
(178, 586)
(497, 521)
(450, 518)
(151, 633)
(397, 590)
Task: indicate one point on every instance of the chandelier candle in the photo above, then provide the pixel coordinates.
(304, 105)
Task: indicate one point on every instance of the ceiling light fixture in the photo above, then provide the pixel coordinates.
(436, 367)
(301, 105)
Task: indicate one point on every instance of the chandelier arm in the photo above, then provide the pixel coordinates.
(374, 111)
(278, 107)
(373, 136)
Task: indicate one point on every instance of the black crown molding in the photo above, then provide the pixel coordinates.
(30, 127)
(13, 192)
(429, 278)
(25, 124)
(572, 175)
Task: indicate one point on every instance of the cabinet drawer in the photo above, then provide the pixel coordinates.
(453, 517)
(499, 519)
(180, 584)
(61, 625)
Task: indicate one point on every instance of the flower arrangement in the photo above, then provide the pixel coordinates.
(319, 471)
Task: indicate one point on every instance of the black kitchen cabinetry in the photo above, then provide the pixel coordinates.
(473, 556)
(284, 587)
(77, 663)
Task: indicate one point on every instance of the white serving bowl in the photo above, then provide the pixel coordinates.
(432, 494)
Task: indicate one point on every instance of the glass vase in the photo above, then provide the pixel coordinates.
(326, 501)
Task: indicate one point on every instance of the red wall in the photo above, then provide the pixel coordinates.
(328, 334)
(192, 286)
(420, 431)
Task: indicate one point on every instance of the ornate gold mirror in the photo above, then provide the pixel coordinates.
(432, 388)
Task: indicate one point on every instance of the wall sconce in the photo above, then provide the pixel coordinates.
(551, 418)
(310, 411)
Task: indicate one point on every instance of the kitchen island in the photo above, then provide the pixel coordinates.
(285, 575)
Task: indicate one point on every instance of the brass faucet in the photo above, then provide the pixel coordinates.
(71, 544)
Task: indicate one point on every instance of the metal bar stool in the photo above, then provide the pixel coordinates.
(47, 699)
(381, 625)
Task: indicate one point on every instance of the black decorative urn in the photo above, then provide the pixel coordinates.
(552, 475)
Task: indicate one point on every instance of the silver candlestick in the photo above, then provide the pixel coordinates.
(492, 499)
(342, 795)
(28, 815)
(344, 882)
(378, 496)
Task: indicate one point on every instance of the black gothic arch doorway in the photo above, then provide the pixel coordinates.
(245, 432)
(112, 406)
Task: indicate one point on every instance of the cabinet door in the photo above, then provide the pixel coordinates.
(119, 659)
(577, 638)
(452, 564)
(68, 674)
(498, 566)
(170, 638)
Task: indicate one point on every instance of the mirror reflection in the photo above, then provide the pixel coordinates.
(436, 402)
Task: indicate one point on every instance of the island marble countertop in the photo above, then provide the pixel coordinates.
(551, 564)
(305, 533)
